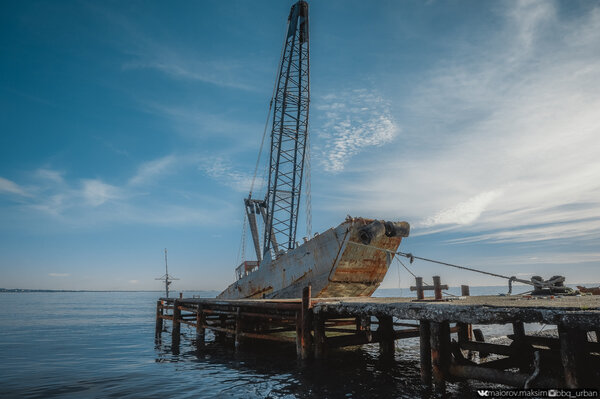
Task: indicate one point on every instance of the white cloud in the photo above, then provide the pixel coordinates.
(352, 121)
(96, 192)
(222, 170)
(507, 129)
(464, 213)
(148, 171)
(10, 187)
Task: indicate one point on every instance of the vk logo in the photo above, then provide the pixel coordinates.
(483, 393)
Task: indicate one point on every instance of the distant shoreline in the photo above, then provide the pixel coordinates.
(18, 290)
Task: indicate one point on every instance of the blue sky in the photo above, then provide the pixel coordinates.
(131, 127)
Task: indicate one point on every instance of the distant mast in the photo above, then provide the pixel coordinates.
(166, 278)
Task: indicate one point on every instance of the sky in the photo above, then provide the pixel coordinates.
(130, 127)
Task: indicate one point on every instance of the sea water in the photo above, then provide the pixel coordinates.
(102, 345)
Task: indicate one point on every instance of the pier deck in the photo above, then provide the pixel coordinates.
(317, 325)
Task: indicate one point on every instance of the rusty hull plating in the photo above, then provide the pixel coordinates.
(341, 262)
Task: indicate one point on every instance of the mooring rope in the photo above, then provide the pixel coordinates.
(412, 257)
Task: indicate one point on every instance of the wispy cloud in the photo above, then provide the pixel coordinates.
(148, 171)
(10, 187)
(352, 121)
(464, 213)
(506, 146)
(96, 192)
(222, 170)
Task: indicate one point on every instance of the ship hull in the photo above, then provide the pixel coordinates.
(336, 263)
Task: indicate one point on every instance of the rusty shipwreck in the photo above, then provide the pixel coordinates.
(343, 261)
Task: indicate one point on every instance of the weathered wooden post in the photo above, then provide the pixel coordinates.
(465, 330)
(385, 331)
(200, 323)
(437, 287)
(525, 354)
(464, 290)
(159, 319)
(176, 326)
(238, 329)
(573, 353)
(303, 325)
(419, 284)
(425, 351)
(440, 354)
(320, 338)
(221, 335)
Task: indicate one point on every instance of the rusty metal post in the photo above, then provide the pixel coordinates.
(320, 337)
(200, 330)
(385, 331)
(440, 354)
(437, 287)
(573, 354)
(419, 284)
(425, 351)
(159, 319)
(176, 326)
(238, 329)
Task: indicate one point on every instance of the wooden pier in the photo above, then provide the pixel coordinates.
(318, 325)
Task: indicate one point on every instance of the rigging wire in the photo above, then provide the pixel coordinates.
(262, 142)
(307, 193)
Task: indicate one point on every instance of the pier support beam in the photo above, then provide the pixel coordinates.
(320, 341)
(465, 330)
(524, 349)
(425, 352)
(159, 319)
(386, 335)
(573, 354)
(440, 354)
(200, 330)
(176, 327)
(220, 336)
(238, 329)
(303, 326)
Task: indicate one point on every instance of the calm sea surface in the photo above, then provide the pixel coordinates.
(101, 344)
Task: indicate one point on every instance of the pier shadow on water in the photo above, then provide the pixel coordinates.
(272, 370)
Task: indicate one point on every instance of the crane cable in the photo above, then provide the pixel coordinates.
(412, 257)
(262, 142)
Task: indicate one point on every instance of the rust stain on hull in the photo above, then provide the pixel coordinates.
(330, 262)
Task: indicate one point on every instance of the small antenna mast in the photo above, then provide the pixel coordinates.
(166, 278)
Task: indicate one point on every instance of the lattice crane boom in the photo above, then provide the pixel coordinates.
(289, 135)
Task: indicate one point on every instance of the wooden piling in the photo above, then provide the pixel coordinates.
(425, 351)
(176, 325)
(200, 329)
(465, 330)
(573, 355)
(440, 353)
(320, 340)
(238, 329)
(385, 331)
(419, 284)
(437, 287)
(159, 319)
(464, 290)
(305, 324)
